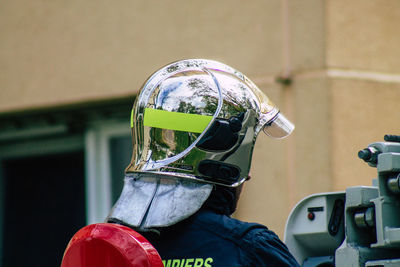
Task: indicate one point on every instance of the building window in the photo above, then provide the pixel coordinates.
(59, 171)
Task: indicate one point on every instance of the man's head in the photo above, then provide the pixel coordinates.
(194, 125)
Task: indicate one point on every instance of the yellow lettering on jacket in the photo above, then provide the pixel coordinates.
(191, 262)
(176, 263)
(198, 262)
(208, 262)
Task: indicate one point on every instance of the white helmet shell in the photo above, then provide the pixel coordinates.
(194, 124)
(186, 104)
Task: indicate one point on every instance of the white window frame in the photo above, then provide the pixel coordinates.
(98, 167)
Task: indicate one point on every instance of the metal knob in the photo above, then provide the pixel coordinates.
(365, 218)
(394, 185)
(369, 154)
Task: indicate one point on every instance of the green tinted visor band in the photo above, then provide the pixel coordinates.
(176, 121)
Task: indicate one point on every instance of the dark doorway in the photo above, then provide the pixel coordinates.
(44, 205)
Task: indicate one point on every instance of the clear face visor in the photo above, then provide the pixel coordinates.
(279, 127)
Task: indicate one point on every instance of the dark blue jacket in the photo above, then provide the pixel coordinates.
(209, 239)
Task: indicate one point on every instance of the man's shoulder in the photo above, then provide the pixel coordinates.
(227, 226)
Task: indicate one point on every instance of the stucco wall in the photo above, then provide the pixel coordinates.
(362, 57)
(61, 52)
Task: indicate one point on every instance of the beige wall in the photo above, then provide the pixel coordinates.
(286, 171)
(342, 57)
(364, 112)
(363, 51)
(60, 52)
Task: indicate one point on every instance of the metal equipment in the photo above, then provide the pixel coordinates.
(358, 227)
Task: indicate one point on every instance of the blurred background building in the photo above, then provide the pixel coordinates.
(70, 70)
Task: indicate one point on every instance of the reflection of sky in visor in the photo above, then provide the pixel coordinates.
(190, 92)
(168, 90)
(236, 92)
